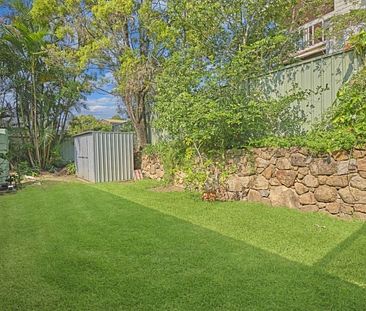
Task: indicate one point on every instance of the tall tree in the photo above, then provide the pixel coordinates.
(42, 86)
(116, 36)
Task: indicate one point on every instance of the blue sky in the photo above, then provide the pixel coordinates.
(102, 106)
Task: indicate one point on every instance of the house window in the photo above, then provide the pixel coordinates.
(312, 35)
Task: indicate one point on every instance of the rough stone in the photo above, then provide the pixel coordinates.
(323, 167)
(343, 168)
(282, 196)
(301, 189)
(159, 173)
(362, 174)
(280, 152)
(361, 208)
(286, 177)
(352, 195)
(255, 196)
(361, 164)
(322, 180)
(307, 199)
(341, 155)
(358, 182)
(304, 171)
(300, 160)
(261, 163)
(310, 181)
(264, 193)
(326, 194)
(359, 153)
(360, 216)
(309, 208)
(237, 184)
(337, 181)
(274, 182)
(347, 209)
(260, 183)
(283, 164)
(333, 208)
(268, 172)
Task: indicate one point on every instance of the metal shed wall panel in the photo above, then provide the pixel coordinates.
(104, 157)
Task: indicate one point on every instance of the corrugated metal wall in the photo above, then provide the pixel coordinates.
(104, 157)
(323, 76)
(4, 147)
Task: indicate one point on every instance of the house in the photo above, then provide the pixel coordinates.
(314, 41)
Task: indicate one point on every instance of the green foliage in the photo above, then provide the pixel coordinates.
(71, 168)
(85, 123)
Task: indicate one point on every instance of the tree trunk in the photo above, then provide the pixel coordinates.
(141, 134)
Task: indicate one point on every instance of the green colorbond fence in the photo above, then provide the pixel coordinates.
(324, 76)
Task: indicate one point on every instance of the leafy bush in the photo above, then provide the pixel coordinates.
(71, 168)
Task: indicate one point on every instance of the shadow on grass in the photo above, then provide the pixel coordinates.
(99, 251)
(352, 250)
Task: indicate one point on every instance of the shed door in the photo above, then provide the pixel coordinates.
(82, 156)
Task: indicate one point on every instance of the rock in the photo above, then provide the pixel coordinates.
(358, 182)
(362, 174)
(310, 181)
(247, 169)
(266, 154)
(361, 164)
(300, 160)
(301, 189)
(280, 153)
(360, 216)
(337, 181)
(255, 196)
(352, 195)
(359, 153)
(304, 171)
(282, 196)
(361, 208)
(309, 208)
(286, 177)
(326, 194)
(347, 209)
(333, 208)
(268, 172)
(342, 168)
(152, 170)
(237, 184)
(159, 173)
(307, 199)
(274, 182)
(283, 164)
(323, 167)
(260, 183)
(261, 163)
(322, 180)
(341, 155)
(264, 193)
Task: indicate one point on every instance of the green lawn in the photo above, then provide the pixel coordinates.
(74, 246)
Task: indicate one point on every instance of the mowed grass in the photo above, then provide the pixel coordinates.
(74, 246)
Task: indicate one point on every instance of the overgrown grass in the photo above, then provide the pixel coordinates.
(122, 246)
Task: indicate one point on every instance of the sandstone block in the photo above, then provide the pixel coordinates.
(282, 196)
(326, 194)
(310, 181)
(286, 177)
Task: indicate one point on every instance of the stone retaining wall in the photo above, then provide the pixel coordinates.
(334, 184)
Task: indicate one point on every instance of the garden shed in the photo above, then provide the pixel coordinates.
(4, 164)
(104, 157)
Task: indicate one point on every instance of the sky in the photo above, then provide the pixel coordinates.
(102, 106)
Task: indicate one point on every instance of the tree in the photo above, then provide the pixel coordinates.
(41, 87)
(207, 93)
(120, 37)
(85, 123)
